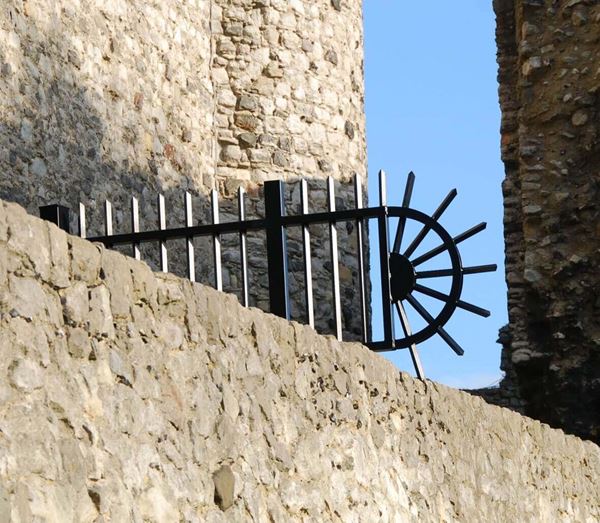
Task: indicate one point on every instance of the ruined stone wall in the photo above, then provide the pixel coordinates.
(126, 396)
(112, 99)
(548, 54)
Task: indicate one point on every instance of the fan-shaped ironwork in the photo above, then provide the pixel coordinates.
(407, 281)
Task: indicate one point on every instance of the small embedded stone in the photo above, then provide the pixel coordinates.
(247, 139)
(259, 155)
(224, 481)
(285, 143)
(169, 151)
(531, 65)
(267, 140)
(532, 209)
(579, 16)
(273, 70)
(337, 4)
(325, 166)
(280, 159)
(247, 103)
(138, 100)
(231, 153)
(246, 121)
(38, 167)
(521, 355)
(331, 56)
(349, 129)
(532, 276)
(78, 342)
(25, 375)
(234, 29)
(579, 118)
(26, 130)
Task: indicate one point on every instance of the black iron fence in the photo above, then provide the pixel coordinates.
(399, 274)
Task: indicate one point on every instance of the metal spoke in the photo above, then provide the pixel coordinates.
(440, 330)
(477, 269)
(410, 182)
(414, 354)
(445, 298)
(441, 248)
(426, 228)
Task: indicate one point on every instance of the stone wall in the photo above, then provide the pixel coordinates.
(549, 96)
(112, 99)
(133, 396)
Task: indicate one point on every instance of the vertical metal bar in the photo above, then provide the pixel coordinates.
(214, 201)
(276, 250)
(135, 226)
(162, 225)
(108, 219)
(189, 241)
(308, 289)
(82, 224)
(335, 268)
(382, 188)
(243, 249)
(358, 201)
(384, 264)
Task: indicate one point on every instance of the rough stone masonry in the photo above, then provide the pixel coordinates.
(548, 53)
(124, 396)
(112, 99)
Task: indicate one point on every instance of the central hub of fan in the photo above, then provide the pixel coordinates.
(403, 277)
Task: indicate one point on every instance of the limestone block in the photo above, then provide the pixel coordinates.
(75, 300)
(30, 300)
(85, 259)
(30, 239)
(59, 256)
(100, 319)
(117, 278)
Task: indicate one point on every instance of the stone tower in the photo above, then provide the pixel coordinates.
(548, 53)
(113, 99)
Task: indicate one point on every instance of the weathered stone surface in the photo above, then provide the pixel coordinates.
(549, 99)
(192, 408)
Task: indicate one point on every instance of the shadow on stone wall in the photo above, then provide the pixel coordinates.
(53, 134)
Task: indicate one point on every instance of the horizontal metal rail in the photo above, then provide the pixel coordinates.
(238, 226)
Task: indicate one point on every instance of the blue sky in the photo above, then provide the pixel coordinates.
(432, 107)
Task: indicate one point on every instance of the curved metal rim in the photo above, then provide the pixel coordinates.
(457, 277)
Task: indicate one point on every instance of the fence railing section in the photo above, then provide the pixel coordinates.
(398, 274)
